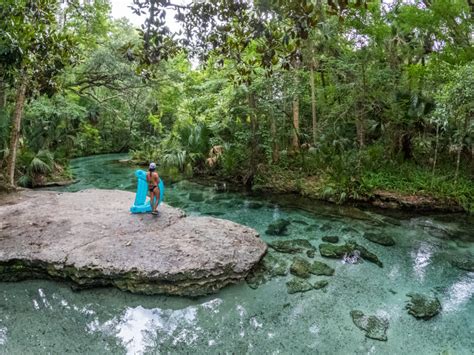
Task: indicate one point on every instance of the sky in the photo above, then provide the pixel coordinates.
(120, 8)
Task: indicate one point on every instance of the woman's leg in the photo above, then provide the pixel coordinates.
(157, 195)
(152, 195)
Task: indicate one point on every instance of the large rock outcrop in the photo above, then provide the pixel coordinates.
(91, 239)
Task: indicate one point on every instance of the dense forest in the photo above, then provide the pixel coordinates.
(330, 99)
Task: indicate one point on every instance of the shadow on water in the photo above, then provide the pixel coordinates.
(425, 258)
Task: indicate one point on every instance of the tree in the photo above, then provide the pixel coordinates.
(33, 51)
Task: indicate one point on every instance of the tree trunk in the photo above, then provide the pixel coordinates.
(435, 160)
(274, 133)
(254, 144)
(313, 106)
(16, 127)
(3, 94)
(296, 122)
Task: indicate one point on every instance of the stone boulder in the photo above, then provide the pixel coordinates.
(91, 239)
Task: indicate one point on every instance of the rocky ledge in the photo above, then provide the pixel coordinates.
(91, 239)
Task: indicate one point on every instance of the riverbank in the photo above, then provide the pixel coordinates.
(395, 192)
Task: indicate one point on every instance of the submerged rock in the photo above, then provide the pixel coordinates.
(254, 205)
(374, 327)
(279, 227)
(321, 269)
(90, 238)
(338, 251)
(196, 196)
(422, 306)
(299, 221)
(298, 285)
(311, 253)
(320, 284)
(292, 246)
(381, 239)
(325, 227)
(300, 267)
(269, 267)
(330, 239)
(464, 263)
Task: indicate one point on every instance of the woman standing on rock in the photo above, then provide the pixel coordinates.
(153, 180)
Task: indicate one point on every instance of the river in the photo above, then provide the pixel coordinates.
(45, 317)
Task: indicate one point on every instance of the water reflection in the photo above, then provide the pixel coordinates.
(139, 328)
(3, 335)
(421, 259)
(459, 293)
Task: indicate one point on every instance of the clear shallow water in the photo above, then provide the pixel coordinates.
(47, 317)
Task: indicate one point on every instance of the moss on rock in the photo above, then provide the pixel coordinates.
(279, 227)
(321, 269)
(423, 307)
(300, 267)
(292, 246)
(374, 327)
(298, 285)
(338, 251)
(381, 239)
(320, 284)
(331, 239)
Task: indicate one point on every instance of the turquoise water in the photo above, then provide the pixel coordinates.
(48, 317)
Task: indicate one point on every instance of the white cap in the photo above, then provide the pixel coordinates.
(152, 166)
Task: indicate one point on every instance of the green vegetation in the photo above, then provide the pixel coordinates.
(330, 99)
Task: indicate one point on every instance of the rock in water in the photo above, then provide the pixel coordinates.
(464, 263)
(338, 251)
(84, 237)
(298, 285)
(254, 205)
(292, 246)
(331, 239)
(270, 266)
(300, 267)
(321, 269)
(279, 227)
(381, 239)
(374, 327)
(196, 196)
(422, 306)
(320, 284)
